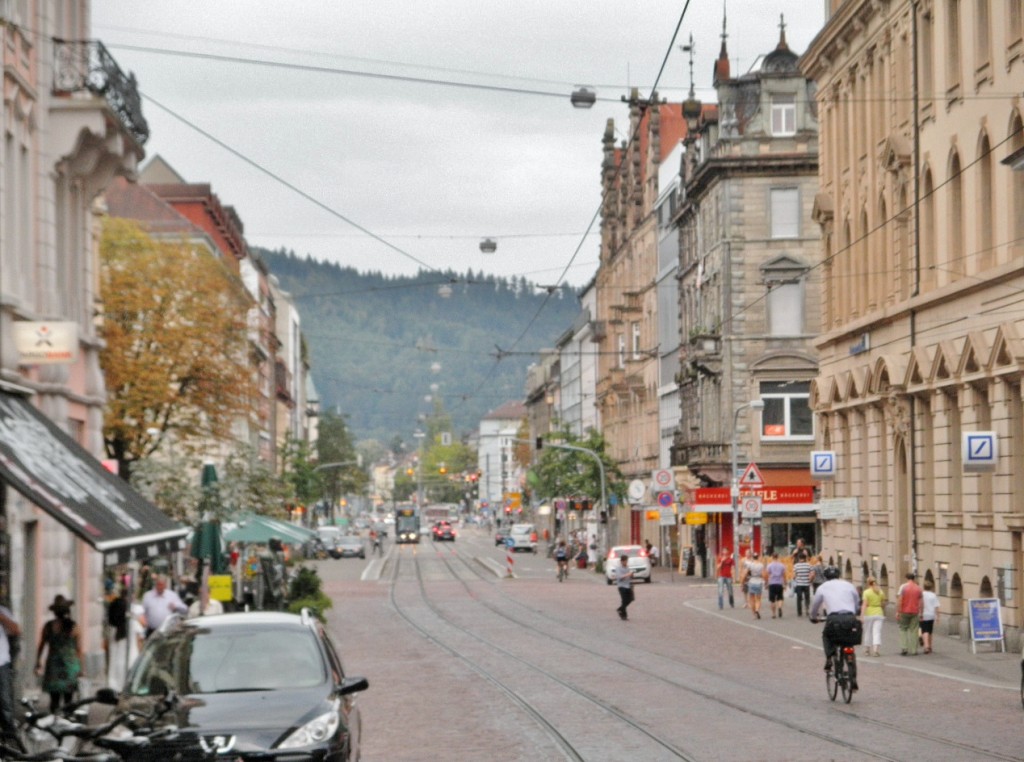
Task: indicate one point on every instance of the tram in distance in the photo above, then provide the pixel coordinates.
(407, 524)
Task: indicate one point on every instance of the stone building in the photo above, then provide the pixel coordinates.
(748, 300)
(922, 221)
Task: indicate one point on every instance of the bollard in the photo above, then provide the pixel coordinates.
(509, 561)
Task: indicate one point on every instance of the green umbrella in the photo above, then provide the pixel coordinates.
(257, 530)
(206, 540)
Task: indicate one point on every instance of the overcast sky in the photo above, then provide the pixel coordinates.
(431, 168)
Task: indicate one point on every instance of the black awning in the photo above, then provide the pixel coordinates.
(60, 476)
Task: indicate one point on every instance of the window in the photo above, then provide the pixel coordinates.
(786, 414)
(636, 341)
(785, 212)
(783, 115)
(786, 309)
(622, 351)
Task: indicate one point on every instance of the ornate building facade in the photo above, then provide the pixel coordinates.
(922, 221)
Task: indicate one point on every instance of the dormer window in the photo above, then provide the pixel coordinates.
(783, 115)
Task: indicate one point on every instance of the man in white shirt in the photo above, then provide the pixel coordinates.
(159, 603)
(842, 602)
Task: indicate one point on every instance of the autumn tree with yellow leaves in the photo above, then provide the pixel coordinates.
(177, 357)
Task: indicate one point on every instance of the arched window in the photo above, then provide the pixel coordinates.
(985, 219)
(881, 263)
(927, 244)
(1017, 191)
(953, 75)
(953, 262)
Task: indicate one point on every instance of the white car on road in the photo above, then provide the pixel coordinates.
(522, 537)
(639, 562)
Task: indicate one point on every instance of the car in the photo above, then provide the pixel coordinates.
(639, 562)
(522, 537)
(500, 535)
(225, 700)
(348, 546)
(443, 530)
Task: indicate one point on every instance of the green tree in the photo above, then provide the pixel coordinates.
(305, 484)
(248, 485)
(559, 472)
(335, 445)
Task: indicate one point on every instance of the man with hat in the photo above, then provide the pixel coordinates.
(908, 612)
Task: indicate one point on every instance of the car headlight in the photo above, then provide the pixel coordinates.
(316, 730)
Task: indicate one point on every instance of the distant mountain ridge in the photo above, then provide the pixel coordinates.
(377, 343)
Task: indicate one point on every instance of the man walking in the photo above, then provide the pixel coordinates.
(908, 607)
(624, 581)
(776, 572)
(802, 585)
(724, 573)
(159, 603)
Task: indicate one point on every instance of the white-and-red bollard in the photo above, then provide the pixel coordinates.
(509, 561)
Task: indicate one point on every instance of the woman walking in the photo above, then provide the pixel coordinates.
(872, 614)
(755, 584)
(929, 614)
(63, 666)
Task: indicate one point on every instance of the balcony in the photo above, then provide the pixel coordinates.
(82, 66)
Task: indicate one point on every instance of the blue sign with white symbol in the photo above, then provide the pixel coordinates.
(979, 451)
(665, 499)
(823, 464)
(509, 542)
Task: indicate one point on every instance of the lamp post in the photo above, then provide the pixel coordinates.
(757, 404)
(419, 469)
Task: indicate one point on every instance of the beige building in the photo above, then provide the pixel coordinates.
(749, 307)
(923, 244)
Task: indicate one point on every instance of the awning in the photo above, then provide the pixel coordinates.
(258, 530)
(60, 476)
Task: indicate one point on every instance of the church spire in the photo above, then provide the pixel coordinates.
(721, 72)
(782, 33)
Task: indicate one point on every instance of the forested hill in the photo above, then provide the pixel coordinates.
(378, 344)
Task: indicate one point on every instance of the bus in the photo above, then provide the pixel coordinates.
(407, 524)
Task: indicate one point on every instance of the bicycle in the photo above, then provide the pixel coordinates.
(563, 569)
(841, 673)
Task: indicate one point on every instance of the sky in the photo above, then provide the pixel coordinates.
(329, 133)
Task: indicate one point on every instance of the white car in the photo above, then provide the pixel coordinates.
(522, 537)
(638, 562)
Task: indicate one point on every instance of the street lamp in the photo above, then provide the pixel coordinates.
(757, 404)
(419, 469)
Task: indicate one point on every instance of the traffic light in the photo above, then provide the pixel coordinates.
(410, 471)
(442, 469)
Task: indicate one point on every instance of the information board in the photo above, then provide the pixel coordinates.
(986, 620)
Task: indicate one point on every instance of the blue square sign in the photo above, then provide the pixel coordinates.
(979, 451)
(823, 464)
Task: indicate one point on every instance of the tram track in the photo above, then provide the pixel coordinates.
(736, 706)
(564, 744)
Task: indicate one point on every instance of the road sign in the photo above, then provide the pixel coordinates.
(696, 517)
(636, 490)
(668, 518)
(665, 499)
(750, 507)
(663, 479)
(752, 478)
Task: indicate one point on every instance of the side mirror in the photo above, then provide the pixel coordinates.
(353, 685)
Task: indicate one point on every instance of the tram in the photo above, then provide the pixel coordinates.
(407, 524)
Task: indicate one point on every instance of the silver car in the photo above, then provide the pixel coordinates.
(639, 562)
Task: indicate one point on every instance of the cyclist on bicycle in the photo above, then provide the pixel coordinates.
(842, 626)
(562, 558)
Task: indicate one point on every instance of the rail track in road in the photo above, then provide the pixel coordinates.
(636, 665)
(568, 747)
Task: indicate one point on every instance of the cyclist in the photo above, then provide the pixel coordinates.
(842, 602)
(562, 558)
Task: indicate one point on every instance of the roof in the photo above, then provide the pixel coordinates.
(511, 410)
(136, 202)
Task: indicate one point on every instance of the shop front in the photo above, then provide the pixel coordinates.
(786, 514)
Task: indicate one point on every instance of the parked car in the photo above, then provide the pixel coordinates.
(348, 546)
(228, 701)
(443, 530)
(523, 537)
(638, 561)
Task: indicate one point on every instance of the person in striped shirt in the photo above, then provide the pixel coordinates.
(802, 585)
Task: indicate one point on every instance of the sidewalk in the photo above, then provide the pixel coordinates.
(951, 657)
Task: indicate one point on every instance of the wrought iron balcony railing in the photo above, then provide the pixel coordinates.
(86, 65)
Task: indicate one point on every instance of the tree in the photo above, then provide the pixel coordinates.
(304, 484)
(335, 445)
(176, 351)
(560, 472)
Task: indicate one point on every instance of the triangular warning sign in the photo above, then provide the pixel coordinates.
(752, 477)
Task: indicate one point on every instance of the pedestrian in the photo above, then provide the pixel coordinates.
(755, 583)
(624, 581)
(723, 573)
(776, 576)
(908, 610)
(929, 614)
(872, 613)
(817, 573)
(159, 603)
(62, 644)
(744, 568)
(10, 639)
(204, 605)
(800, 551)
(654, 554)
(377, 547)
(802, 585)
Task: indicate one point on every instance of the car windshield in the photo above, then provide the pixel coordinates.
(201, 660)
(349, 541)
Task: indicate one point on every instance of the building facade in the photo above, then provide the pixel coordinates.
(499, 473)
(748, 304)
(922, 222)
